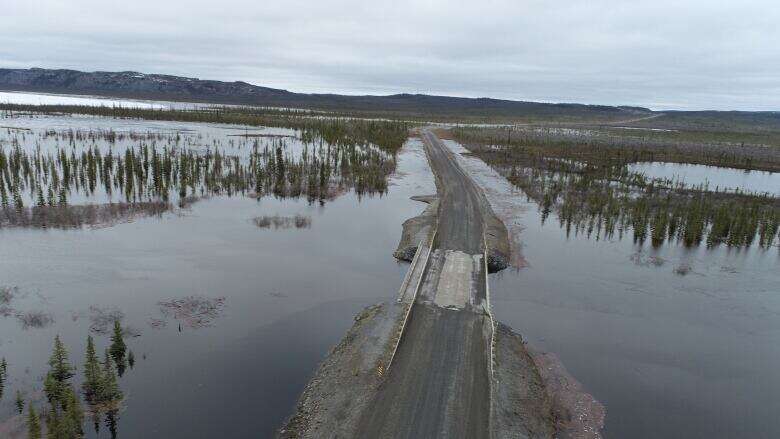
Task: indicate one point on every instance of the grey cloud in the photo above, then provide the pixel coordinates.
(661, 53)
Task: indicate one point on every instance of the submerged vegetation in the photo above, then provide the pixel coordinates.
(388, 135)
(591, 188)
(50, 178)
(282, 222)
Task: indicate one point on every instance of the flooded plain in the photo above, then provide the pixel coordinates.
(10, 97)
(712, 177)
(229, 303)
(675, 341)
(227, 318)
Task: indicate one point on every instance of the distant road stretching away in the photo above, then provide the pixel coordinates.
(439, 382)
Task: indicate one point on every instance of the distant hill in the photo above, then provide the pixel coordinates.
(175, 88)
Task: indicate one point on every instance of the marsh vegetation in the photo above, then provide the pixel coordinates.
(587, 182)
(69, 178)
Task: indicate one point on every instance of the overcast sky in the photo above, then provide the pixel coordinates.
(686, 54)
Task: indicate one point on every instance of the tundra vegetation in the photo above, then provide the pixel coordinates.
(582, 175)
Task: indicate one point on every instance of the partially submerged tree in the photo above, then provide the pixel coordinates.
(33, 424)
(65, 416)
(19, 402)
(92, 373)
(118, 347)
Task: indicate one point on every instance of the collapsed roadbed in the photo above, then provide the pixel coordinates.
(350, 395)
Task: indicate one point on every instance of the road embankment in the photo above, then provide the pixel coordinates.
(346, 381)
(416, 229)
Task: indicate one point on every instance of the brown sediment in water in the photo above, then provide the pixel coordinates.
(522, 406)
(536, 397)
(578, 415)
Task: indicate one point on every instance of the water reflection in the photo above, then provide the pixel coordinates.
(719, 179)
(151, 172)
(240, 374)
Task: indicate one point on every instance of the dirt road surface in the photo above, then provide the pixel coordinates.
(439, 383)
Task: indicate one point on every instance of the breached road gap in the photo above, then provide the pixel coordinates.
(433, 363)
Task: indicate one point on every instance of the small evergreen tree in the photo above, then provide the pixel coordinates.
(33, 424)
(131, 359)
(63, 197)
(18, 203)
(19, 402)
(118, 347)
(40, 200)
(73, 418)
(109, 389)
(51, 388)
(50, 197)
(3, 194)
(3, 376)
(65, 417)
(61, 368)
(92, 373)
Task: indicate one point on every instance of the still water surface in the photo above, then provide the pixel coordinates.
(676, 342)
(289, 295)
(713, 177)
(669, 354)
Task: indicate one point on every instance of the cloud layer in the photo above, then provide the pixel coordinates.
(663, 54)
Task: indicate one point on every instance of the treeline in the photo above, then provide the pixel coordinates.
(388, 135)
(36, 186)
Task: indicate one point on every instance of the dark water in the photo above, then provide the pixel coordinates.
(675, 342)
(289, 295)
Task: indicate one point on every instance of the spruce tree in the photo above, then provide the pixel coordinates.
(3, 376)
(3, 195)
(110, 393)
(33, 424)
(50, 197)
(61, 368)
(92, 377)
(118, 347)
(63, 197)
(18, 203)
(50, 388)
(73, 415)
(19, 402)
(40, 200)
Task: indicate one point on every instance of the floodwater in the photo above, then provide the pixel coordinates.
(675, 342)
(277, 299)
(713, 177)
(22, 98)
